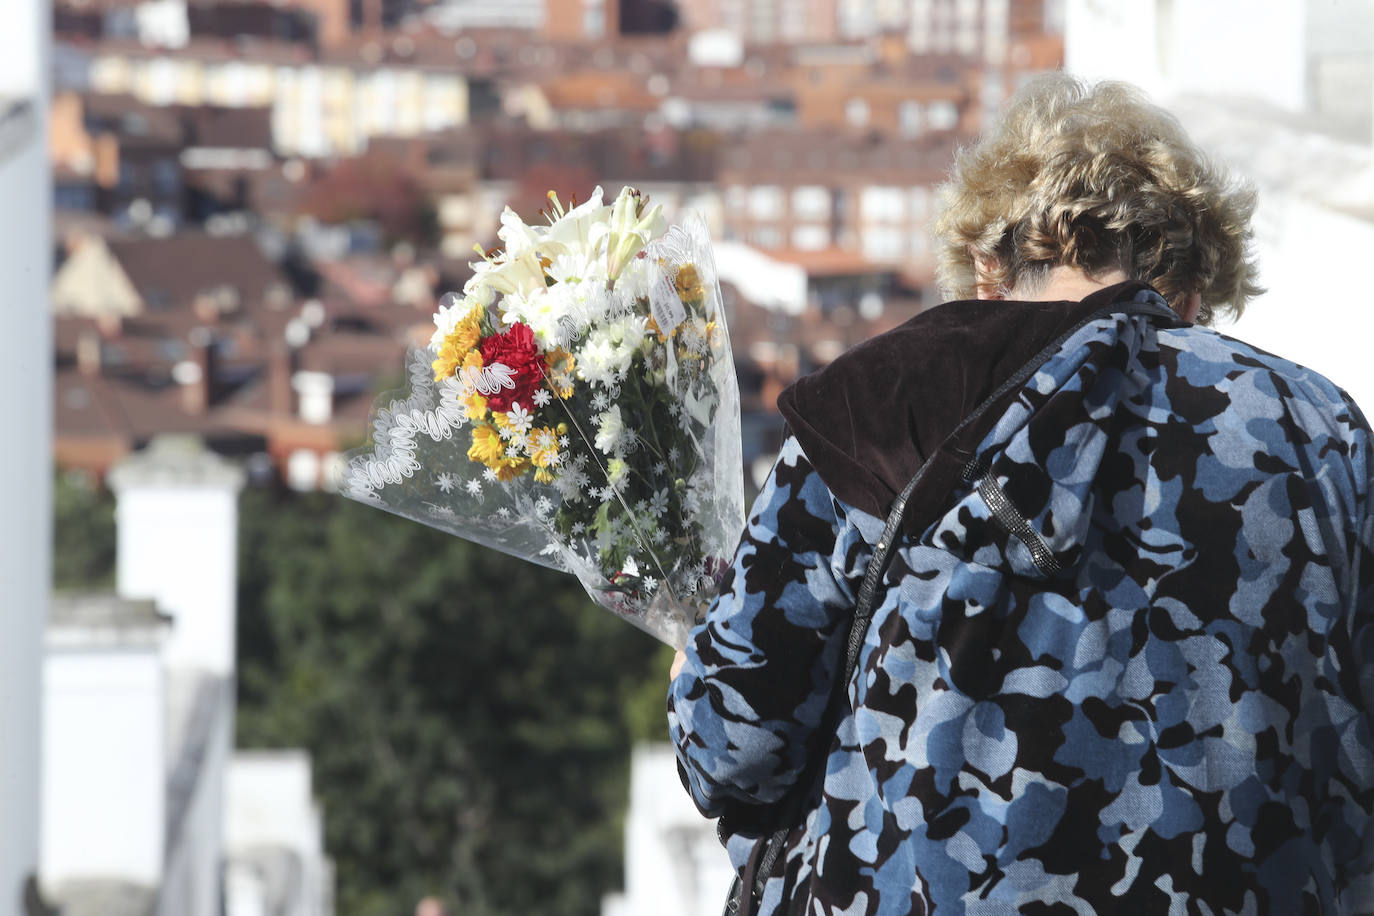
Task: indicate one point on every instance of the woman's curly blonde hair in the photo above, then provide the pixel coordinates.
(1096, 178)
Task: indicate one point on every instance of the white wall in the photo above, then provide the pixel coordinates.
(674, 865)
(25, 460)
(105, 780)
(1250, 49)
(272, 819)
(177, 516)
(1313, 227)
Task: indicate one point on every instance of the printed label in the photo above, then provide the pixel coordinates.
(668, 309)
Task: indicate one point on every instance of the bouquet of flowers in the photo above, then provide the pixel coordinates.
(577, 407)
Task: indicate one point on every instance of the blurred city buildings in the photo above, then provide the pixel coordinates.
(259, 204)
(363, 149)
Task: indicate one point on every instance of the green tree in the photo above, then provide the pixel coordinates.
(83, 554)
(469, 715)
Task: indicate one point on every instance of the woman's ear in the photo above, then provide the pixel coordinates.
(983, 284)
(1192, 305)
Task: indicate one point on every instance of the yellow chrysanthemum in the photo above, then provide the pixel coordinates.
(688, 285)
(487, 446)
(458, 344)
(474, 403)
(512, 468)
(543, 447)
(561, 364)
(543, 476)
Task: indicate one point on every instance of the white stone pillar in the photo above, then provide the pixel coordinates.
(105, 772)
(177, 515)
(26, 459)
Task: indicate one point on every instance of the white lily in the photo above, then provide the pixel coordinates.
(518, 238)
(629, 229)
(571, 232)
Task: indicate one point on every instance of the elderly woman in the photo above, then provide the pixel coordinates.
(1113, 651)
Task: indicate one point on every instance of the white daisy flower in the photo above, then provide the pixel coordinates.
(542, 397)
(489, 475)
(474, 487)
(445, 482)
(650, 583)
(519, 418)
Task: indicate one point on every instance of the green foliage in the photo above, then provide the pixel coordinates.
(83, 533)
(469, 715)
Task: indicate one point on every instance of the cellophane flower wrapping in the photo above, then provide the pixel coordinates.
(577, 407)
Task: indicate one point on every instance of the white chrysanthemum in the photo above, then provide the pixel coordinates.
(634, 281)
(609, 350)
(610, 430)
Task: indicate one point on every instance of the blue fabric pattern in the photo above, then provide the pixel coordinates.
(1173, 717)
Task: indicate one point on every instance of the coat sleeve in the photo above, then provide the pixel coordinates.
(759, 672)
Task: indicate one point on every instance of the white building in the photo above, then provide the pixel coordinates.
(1283, 92)
(273, 840)
(674, 864)
(26, 459)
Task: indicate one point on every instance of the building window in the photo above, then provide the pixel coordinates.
(942, 116)
(166, 177)
(810, 202)
(765, 202)
(909, 118)
(810, 238)
(765, 238)
(856, 112)
(883, 243)
(882, 204)
(919, 201)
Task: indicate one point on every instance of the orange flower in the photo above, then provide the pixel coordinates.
(561, 364)
(475, 404)
(459, 342)
(487, 446)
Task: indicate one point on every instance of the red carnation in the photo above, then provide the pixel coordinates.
(515, 350)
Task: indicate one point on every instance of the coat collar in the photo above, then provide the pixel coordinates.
(871, 418)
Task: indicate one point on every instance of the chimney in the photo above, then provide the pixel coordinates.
(317, 395)
(88, 353)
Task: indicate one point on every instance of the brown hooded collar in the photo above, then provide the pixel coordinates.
(871, 418)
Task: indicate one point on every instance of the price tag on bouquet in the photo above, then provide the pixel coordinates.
(667, 308)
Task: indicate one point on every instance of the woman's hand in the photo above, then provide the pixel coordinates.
(677, 664)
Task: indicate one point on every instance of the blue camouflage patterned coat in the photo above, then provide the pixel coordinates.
(1122, 660)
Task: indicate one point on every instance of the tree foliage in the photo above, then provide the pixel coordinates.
(469, 715)
(83, 554)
